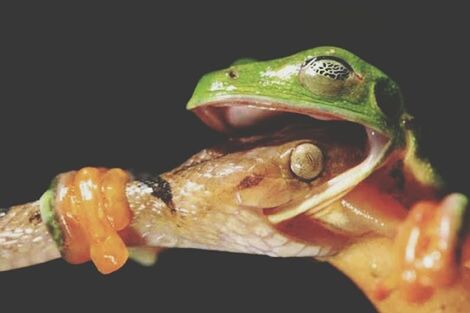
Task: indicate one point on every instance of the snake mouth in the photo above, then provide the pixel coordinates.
(241, 114)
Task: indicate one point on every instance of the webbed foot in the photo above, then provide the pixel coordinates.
(428, 249)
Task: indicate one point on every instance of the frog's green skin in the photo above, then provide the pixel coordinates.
(216, 204)
(366, 96)
(371, 99)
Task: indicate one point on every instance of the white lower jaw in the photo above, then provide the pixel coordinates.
(337, 187)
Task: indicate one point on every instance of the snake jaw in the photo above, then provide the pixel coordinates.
(338, 186)
(234, 113)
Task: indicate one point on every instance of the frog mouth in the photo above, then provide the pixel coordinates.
(238, 114)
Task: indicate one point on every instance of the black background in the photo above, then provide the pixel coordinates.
(107, 86)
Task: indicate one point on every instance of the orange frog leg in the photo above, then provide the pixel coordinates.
(419, 269)
(91, 208)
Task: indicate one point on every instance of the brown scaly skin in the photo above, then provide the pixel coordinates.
(24, 239)
(214, 206)
(215, 200)
(208, 217)
(219, 196)
(237, 201)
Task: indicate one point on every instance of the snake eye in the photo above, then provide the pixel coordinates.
(325, 75)
(306, 161)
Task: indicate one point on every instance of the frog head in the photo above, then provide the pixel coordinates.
(325, 83)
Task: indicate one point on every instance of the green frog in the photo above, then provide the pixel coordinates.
(332, 84)
(322, 160)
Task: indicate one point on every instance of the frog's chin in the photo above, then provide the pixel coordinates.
(238, 114)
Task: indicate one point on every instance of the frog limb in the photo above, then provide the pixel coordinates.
(368, 261)
(427, 247)
(417, 167)
(420, 265)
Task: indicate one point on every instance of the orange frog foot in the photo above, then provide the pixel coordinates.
(427, 250)
(92, 207)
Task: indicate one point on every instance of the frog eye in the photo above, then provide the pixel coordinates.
(326, 75)
(330, 67)
(306, 161)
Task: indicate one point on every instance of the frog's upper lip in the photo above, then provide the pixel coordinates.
(318, 109)
(218, 115)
